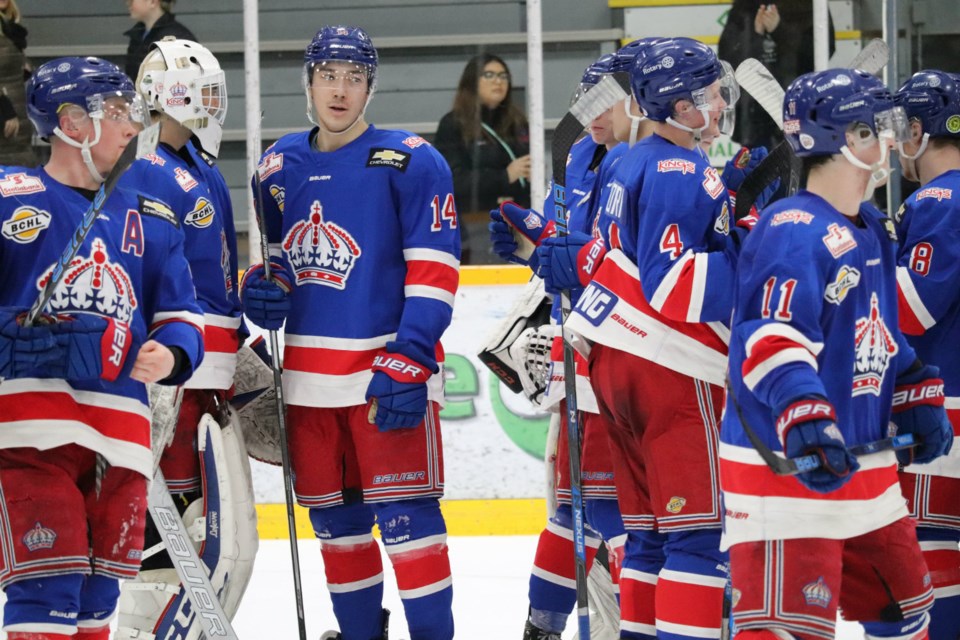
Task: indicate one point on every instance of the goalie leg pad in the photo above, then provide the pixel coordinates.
(223, 526)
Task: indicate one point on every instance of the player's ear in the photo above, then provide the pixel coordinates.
(683, 110)
(916, 131)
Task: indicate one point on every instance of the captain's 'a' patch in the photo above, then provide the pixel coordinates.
(157, 209)
(388, 158)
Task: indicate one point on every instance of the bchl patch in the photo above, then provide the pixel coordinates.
(279, 196)
(847, 278)
(25, 225)
(676, 504)
(388, 158)
(157, 209)
(202, 214)
(20, 184)
(595, 303)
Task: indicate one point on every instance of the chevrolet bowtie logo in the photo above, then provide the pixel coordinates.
(389, 155)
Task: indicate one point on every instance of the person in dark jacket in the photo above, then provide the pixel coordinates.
(781, 37)
(486, 141)
(15, 142)
(154, 22)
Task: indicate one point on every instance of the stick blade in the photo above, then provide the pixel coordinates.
(872, 58)
(757, 80)
(598, 99)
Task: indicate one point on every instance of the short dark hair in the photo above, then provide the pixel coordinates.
(940, 142)
(809, 163)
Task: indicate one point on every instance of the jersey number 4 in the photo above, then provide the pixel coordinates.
(786, 298)
(447, 212)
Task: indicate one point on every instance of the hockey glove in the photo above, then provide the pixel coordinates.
(266, 302)
(93, 347)
(397, 395)
(516, 233)
(809, 425)
(918, 409)
(569, 262)
(25, 351)
(736, 171)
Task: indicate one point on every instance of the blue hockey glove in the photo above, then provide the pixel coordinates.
(809, 425)
(25, 351)
(918, 409)
(397, 395)
(516, 233)
(739, 167)
(569, 262)
(266, 302)
(93, 347)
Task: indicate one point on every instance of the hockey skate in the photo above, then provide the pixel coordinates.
(532, 632)
(385, 625)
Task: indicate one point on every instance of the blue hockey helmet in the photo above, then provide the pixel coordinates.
(593, 74)
(673, 69)
(626, 54)
(342, 44)
(933, 98)
(85, 82)
(820, 107)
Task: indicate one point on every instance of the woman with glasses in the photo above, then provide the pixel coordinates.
(485, 140)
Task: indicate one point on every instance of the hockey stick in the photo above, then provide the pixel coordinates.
(601, 97)
(191, 571)
(142, 144)
(872, 58)
(792, 466)
(281, 418)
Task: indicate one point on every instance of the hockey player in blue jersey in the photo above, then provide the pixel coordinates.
(928, 278)
(184, 88)
(74, 422)
(818, 364)
(362, 228)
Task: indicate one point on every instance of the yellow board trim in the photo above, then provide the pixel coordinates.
(484, 275)
(513, 517)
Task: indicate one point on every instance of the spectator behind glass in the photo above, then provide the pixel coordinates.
(154, 22)
(15, 144)
(486, 141)
(781, 37)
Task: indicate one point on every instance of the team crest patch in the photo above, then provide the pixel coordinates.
(320, 252)
(847, 278)
(791, 126)
(953, 124)
(817, 594)
(532, 221)
(388, 158)
(676, 504)
(935, 192)
(712, 183)
(414, 141)
(40, 537)
(25, 225)
(874, 348)
(898, 216)
(155, 159)
(271, 163)
(839, 240)
(676, 164)
(20, 184)
(890, 228)
(792, 216)
(184, 179)
(178, 95)
(157, 209)
(722, 224)
(93, 284)
(279, 195)
(202, 214)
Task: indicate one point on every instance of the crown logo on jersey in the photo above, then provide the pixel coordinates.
(178, 95)
(817, 594)
(320, 252)
(40, 537)
(875, 346)
(94, 284)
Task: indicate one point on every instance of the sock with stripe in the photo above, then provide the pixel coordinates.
(643, 559)
(941, 550)
(694, 571)
(354, 570)
(415, 538)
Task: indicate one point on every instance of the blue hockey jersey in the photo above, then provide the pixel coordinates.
(369, 233)
(664, 288)
(197, 193)
(928, 276)
(816, 314)
(130, 267)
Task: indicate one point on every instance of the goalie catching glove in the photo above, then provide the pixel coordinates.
(398, 391)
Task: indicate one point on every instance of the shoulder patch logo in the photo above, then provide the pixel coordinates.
(201, 216)
(795, 216)
(847, 278)
(712, 183)
(839, 240)
(279, 195)
(25, 225)
(20, 184)
(388, 158)
(676, 164)
(722, 224)
(414, 141)
(184, 179)
(155, 159)
(935, 192)
(157, 209)
(271, 163)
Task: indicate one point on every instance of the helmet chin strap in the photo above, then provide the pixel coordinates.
(85, 148)
(878, 173)
(697, 132)
(910, 161)
(634, 121)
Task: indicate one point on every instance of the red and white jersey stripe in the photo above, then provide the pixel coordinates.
(431, 274)
(220, 344)
(773, 345)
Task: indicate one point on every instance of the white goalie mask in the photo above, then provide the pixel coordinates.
(183, 80)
